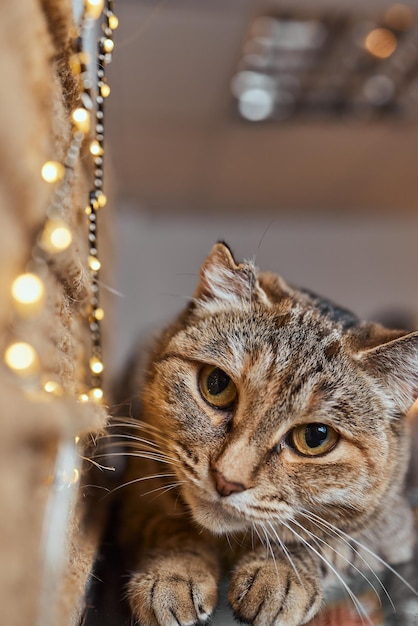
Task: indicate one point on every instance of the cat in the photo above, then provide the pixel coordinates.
(272, 428)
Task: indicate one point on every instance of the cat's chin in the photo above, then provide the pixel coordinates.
(213, 517)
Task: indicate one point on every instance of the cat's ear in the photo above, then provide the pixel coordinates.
(395, 364)
(222, 279)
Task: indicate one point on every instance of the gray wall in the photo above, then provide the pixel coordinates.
(367, 265)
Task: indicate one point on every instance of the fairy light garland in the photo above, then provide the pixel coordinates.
(28, 290)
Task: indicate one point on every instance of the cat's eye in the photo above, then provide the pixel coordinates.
(313, 439)
(217, 387)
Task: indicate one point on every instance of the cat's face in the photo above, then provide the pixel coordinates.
(272, 411)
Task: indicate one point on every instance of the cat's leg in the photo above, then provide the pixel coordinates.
(284, 591)
(175, 582)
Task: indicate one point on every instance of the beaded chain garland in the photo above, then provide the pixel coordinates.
(28, 289)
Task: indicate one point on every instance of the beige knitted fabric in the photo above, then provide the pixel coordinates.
(38, 92)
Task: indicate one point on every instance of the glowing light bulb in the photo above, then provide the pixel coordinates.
(56, 236)
(96, 365)
(77, 440)
(101, 200)
(83, 398)
(95, 148)
(113, 21)
(98, 314)
(52, 171)
(108, 45)
(81, 119)
(96, 394)
(21, 358)
(28, 292)
(54, 388)
(94, 263)
(105, 90)
(94, 8)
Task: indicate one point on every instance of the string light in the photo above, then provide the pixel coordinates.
(56, 236)
(108, 45)
(94, 264)
(52, 171)
(98, 314)
(94, 8)
(113, 22)
(101, 200)
(28, 289)
(96, 365)
(21, 357)
(54, 388)
(28, 293)
(81, 119)
(105, 90)
(96, 394)
(95, 148)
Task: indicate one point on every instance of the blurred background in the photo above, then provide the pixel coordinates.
(287, 130)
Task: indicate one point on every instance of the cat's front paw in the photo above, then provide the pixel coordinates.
(264, 592)
(177, 589)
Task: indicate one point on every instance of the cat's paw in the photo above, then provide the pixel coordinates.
(173, 590)
(264, 592)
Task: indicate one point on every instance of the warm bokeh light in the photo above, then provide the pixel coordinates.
(94, 263)
(95, 148)
(52, 171)
(113, 22)
(96, 365)
(54, 388)
(400, 16)
(94, 8)
(21, 358)
(108, 45)
(101, 200)
(28, 292)
(96, 394)
(98, 314)
(381, 43)
(81, 119)
(56, 236)
(105, 90)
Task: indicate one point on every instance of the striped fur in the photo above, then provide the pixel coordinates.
(292, 523)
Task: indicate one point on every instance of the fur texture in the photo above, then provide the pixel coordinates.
(274, 421)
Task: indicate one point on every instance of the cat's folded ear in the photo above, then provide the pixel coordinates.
(222, 279)
(395, 365)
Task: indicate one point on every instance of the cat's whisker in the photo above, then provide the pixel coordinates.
(118, 445)
(140, 455)
(92, 486)
(163, 489)
(286, 551)
(123, 436)
(98, 465)
(369, 551)
(131, 422)
(319, 540)
(269, 546)
(255, 529)
(359, 607)
(140, 480)
(337, 534)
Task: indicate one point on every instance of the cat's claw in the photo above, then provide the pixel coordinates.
(173, 591)
(267, 593)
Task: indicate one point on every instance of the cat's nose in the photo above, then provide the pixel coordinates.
(224, 486)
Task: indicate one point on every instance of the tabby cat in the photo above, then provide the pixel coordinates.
(272, 441)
